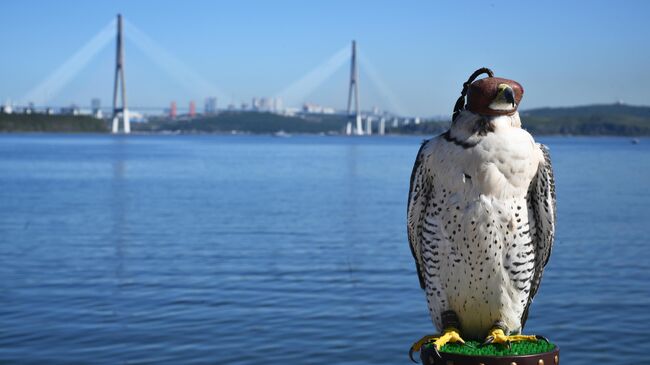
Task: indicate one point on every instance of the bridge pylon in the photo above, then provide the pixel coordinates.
(354, 85)
(119, 79)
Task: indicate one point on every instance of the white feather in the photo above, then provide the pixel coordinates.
(468, 217)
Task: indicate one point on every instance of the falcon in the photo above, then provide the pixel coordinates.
(481, 218)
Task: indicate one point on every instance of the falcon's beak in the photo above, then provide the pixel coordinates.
(509, 95)
(504, 101)
(505, 95)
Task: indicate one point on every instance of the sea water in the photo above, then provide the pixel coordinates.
(255, 249)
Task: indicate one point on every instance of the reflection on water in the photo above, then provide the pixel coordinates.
(118, 219)
(209, 249)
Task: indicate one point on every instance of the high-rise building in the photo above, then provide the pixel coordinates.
(210, 106)
(192, 109)
(317, 109)
(96, 107)
(277, 105)
(266, 104)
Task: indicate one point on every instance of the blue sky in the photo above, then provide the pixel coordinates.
(563, 53)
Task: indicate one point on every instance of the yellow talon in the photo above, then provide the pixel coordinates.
(447, 336)
(497, 335)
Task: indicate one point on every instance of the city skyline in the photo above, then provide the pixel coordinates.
(416, 56)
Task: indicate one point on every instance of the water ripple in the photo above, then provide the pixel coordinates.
(242, 250)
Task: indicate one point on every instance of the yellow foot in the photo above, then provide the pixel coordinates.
(497, 335)
(448, 335)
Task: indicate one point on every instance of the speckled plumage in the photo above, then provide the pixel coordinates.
(481, 221)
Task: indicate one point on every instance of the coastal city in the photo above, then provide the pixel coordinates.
(289, 111)
(209, 108)
(355, 120)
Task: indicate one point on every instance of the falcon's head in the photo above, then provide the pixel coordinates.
(491, 103)
(494, 96)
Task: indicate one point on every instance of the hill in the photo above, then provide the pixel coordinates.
(590, 120)
(248, 122)
(51, 123)
(615, 119)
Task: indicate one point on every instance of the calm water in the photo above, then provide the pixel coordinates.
(242, 250)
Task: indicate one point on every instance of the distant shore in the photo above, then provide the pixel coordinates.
(594, 120)
(44, 123)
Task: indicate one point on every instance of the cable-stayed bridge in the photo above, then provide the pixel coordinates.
(359, 123)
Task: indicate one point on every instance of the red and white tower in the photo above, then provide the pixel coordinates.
(172, 110)
(192, 109)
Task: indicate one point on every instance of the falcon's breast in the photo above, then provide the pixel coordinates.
(474, 226)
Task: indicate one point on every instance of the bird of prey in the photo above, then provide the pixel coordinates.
(481, 218)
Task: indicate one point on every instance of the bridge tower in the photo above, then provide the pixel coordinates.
(119, 78)
(354, 84)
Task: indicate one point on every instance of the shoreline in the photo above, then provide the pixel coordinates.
(291, 135)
